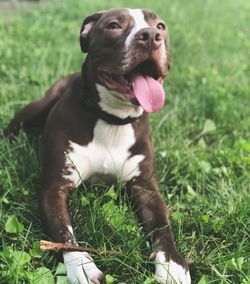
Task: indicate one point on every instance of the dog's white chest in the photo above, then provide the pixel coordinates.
(107, 154)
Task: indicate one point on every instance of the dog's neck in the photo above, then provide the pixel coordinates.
(114, 103)
(108, 105)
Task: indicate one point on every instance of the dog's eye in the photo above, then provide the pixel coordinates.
(113, 26)
(161, 26)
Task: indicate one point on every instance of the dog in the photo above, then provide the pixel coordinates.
(96, 125)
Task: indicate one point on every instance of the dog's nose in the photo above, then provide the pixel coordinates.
(149, 38)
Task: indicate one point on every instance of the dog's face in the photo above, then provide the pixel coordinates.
(129, 49)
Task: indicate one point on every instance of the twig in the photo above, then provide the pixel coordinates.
(58, 247)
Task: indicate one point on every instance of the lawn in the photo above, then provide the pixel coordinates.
(201, 137)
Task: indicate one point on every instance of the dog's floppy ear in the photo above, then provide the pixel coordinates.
(86, 28)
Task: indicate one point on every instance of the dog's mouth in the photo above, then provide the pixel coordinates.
(141, 86)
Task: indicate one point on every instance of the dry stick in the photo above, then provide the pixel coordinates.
(58, 247)
(51, 246)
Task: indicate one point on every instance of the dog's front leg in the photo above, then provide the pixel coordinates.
(54, 209)
(153, 214)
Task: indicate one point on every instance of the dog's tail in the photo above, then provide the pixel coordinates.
(35, 114)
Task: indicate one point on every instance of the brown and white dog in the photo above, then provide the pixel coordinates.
(97, 126)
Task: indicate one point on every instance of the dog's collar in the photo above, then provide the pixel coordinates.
(107, 117)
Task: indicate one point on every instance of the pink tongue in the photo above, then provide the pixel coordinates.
(149, 93)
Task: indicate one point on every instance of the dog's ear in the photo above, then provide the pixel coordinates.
(86, 28)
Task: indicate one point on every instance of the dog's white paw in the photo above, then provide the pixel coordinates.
(170, 272)
(81, 268)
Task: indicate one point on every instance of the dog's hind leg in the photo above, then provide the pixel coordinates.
(35, 114)
(32, 115)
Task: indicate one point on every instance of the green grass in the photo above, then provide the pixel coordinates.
(202, 141)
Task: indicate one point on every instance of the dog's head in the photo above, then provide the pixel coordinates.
(129, 51)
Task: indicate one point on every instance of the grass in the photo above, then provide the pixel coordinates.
(202, 141)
